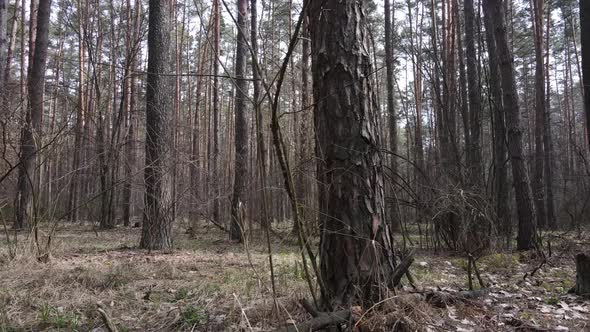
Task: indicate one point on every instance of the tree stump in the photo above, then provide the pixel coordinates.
(582, 274)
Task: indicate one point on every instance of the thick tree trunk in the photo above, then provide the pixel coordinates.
(30, 132)
(355, 247)
(500, 170)
(241, 126)
(585, 27)
(157, 223)
(524, 203)
(582, 273)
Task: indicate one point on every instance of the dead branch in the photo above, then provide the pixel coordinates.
(111, 327)
(472, 261)
(322, 321)
(402, 268)
(537, 268)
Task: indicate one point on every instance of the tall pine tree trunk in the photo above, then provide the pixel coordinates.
(3, 51)
(475, 165)
(501, 188)
(75, 184)
(156, 232)
(524, 202)
(30, 133)
(389, 65)
(547, 136)
(214, 171)
(538, 183)
(355, 246)
(241, 126)
(585, 27)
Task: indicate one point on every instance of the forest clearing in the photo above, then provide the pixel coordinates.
(295, 165)
(208, 283)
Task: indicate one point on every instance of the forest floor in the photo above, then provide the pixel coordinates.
(210, 284)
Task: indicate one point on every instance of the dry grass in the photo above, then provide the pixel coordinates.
(203, 284)
(209, 284)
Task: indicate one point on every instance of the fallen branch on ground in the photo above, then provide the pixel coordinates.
(322, 321)
(106, 320)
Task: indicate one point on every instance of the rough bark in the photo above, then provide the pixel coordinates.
(501, 188)
(585, 38)
(241, 126)
(524, 204)
(156, 231)
(582, 273)
(30, 132)
(355, 245)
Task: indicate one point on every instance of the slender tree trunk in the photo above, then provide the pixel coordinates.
(260, 146)
(128, 100)
(30, 132)
(3, 51)
(547, 135)
(178, 41)
(214, 172)
(12, 44)
(195, 166)
(475, 165)
(157, 223)
(524, 203)
(417, 71)
(33, 5)
(538, 183)
(241, 126)
(391, 112)
(75, 184)
(355, 247)
(95, 57)
(585, 27)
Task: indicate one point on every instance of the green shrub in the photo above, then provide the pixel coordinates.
(193, 316)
